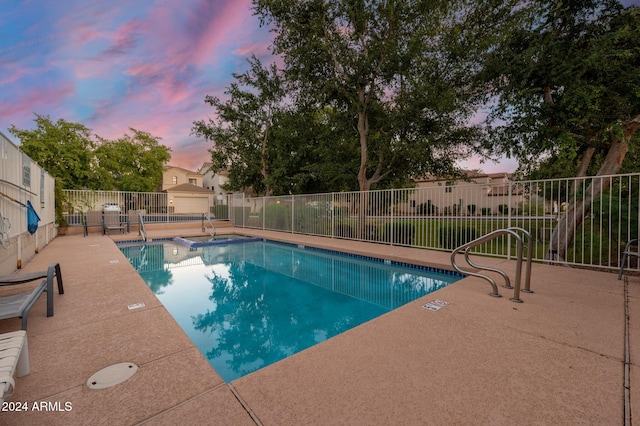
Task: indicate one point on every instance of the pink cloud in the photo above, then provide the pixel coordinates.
(12, 72)
(258, 49)
(208, 26)
(29, 43)
(191, 158)
(210, 33)
(124, 38)
(35, 100)
(150, 70)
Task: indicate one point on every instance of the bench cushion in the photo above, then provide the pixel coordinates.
(14, 358)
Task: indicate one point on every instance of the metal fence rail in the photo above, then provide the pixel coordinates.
(445, 216)
(156, 207)
(439, 216)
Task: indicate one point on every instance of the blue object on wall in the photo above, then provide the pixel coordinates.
(32, 218)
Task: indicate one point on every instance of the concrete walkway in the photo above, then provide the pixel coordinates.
(557, 358)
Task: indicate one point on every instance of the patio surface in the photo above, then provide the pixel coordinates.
(557, 358)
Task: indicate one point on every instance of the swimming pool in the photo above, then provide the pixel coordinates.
(246, 306)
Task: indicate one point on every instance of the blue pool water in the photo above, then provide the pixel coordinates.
(248, 305)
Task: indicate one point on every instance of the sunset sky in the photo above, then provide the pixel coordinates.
(116, 64)
(112, 65)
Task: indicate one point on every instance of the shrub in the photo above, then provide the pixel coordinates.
(452, 237)
(427, 208)
(60, 199)
(343, 230)
(309, 219)
(277, 217)
(341, 211)
(399, 233)
(471, 208)
(370, 233)
(485, 211)
(503, 208)
(220, 211)
(240, 215)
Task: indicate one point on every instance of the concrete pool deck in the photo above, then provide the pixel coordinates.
(557, 358)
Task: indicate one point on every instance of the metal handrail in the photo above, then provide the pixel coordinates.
(512, 231)
(527, 278)
(207, 216)
(141, 229)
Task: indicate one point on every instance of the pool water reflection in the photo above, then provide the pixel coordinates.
(246, 306)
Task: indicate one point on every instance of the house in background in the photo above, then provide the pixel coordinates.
(185, 191)
(474, 194)
(189, 198)
(173, 176)
(214, 181)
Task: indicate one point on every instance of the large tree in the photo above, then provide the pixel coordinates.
(567, 84)
(79, 159)
(241, 131)
(311, 154)
(387, 68)
(132, 163)
(63, 149)
(274, 142)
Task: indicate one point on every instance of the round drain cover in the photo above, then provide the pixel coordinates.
(112, 375)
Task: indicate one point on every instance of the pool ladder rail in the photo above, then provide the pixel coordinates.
(514, 232)
(207, 217)
(141, 229)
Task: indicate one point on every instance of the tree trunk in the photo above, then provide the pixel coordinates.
(263, 164)
(582, 169)
(570, 222)
(363, 132)
(363, 182)
(584, 163)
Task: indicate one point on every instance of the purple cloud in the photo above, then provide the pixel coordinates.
(120, 64)
(115, 65)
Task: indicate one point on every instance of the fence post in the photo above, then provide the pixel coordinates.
(166, 203)
(391, 225)
(510, 187)
(293, 206)
(333, 213)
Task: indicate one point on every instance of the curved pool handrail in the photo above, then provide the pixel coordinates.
(527, 278)
(512, 231)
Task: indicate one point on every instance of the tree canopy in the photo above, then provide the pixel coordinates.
(385, 68)
(566, 84)
(63, 149)
(133, 162)
(243, 128)
(566, 81)
(371, 93)
(81, 160)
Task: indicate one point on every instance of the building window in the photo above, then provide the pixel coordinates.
(42, 187)
(26, 170)
(448, 187)
(193, 181)
(174, 180)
